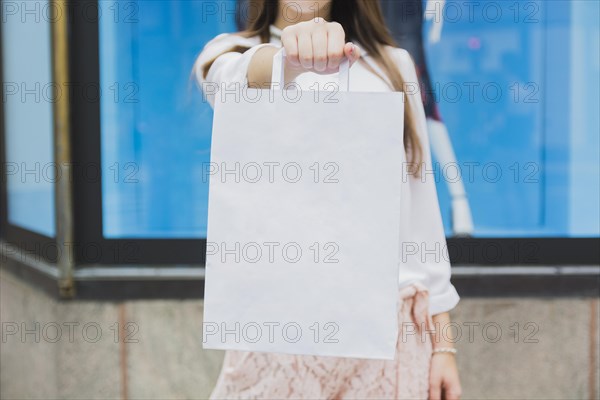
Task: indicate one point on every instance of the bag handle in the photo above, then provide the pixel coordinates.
(277, 76)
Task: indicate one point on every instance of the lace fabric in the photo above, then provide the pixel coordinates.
(261, 375)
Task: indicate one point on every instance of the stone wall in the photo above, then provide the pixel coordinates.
(510, 348)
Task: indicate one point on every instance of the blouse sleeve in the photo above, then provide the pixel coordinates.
(424, 252)
(229, 68)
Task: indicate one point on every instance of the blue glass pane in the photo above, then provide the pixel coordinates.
(28, 97)
(584, 194)
(517, 87)
(155, 126)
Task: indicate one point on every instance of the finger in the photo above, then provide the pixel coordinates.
(290, 43)
(452, 392)
(319, 46)
(352, 52)
(451, 395)
(335, 46)
(305, 50)
(435, 391)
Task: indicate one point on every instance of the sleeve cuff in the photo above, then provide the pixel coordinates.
(228, 69)
(443, 302)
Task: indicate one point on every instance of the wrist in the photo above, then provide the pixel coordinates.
(261, 66)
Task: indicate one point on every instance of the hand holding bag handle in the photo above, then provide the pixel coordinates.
(277, 76)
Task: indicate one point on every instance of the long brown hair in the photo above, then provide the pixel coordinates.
(363, 22)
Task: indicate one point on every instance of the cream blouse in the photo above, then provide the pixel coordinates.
(424, 256)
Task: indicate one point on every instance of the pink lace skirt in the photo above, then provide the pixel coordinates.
(261, 375)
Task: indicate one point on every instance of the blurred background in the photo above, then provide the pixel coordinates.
(104, 135)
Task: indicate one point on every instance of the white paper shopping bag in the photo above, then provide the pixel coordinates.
(304, 221)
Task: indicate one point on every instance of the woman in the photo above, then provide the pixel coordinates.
(425, 366)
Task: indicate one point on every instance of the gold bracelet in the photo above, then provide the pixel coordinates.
(444, 350)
